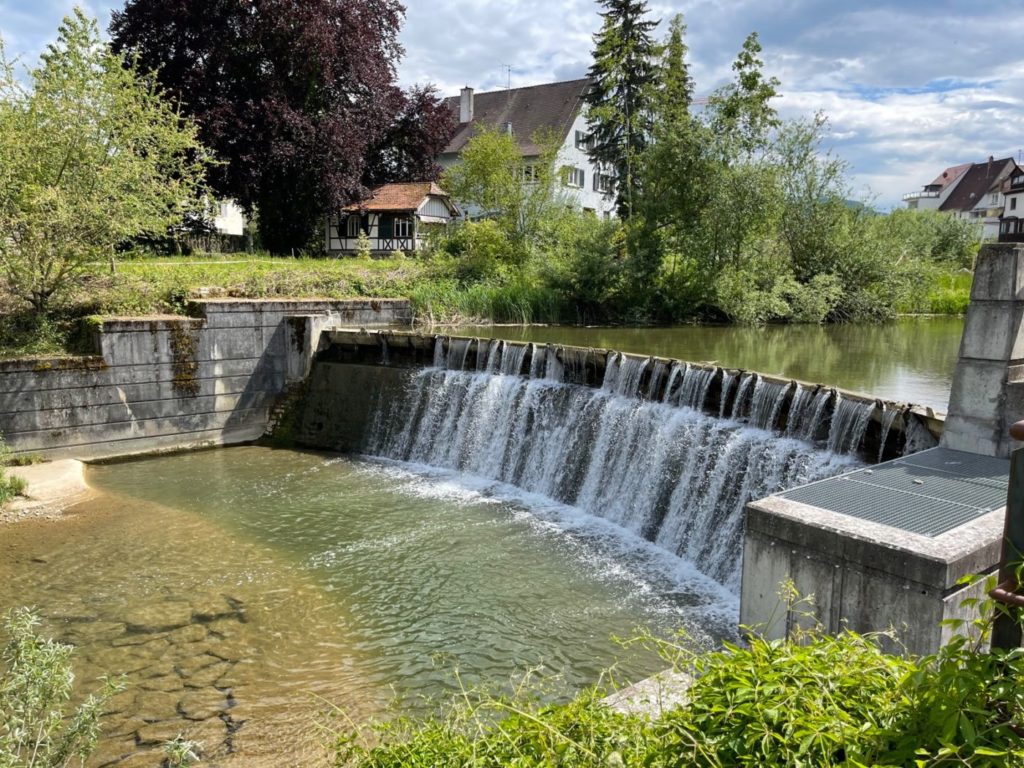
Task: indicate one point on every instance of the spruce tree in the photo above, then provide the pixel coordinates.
(675, 93)
(620, 100)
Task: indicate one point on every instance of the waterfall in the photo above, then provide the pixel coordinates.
(766, 403)
(889, 415)
(850, 419)
(674, 475)
(692, 390)
(740, 406)
(806, 412)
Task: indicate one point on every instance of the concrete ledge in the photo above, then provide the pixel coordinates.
(166, 380)
(657, 694)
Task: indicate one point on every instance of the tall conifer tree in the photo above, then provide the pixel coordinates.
(621, 98)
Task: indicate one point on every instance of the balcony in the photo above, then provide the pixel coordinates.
(919, 195)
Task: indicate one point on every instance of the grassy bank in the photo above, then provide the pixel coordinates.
(144, 286)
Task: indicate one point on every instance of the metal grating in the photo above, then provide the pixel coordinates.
(928, 493)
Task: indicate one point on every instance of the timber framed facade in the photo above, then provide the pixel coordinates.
(396, 217)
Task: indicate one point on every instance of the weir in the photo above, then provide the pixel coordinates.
(668, 450)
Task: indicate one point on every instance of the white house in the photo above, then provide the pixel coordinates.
(972, 192)
(229, 219)
(1011, 223)
(935, 194)
(395, 217)
(527, 113)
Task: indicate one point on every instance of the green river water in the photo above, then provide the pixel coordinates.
(245, 591)
(909, 360)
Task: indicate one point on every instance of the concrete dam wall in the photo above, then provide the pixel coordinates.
(375, 370)
(173, 382)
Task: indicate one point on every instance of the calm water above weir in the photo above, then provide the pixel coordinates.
(234, 586)
(909, 360)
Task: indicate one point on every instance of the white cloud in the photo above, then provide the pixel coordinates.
(910, 86)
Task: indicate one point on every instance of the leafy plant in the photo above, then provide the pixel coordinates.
(181, 752)
(36, 731)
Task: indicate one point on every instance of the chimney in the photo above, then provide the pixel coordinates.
(466, 105)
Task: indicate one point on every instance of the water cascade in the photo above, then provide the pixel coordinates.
(638, 451)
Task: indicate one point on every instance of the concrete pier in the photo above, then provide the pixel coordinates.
(988, 386)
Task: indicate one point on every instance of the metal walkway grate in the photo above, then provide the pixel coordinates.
(927, 493)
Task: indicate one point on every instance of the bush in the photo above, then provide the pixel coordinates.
(10, 485)
(815, 700)
(36, 684)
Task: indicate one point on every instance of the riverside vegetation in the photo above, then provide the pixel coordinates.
(813, 700)
(726, 214)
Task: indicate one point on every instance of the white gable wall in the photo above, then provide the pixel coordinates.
(585, 197)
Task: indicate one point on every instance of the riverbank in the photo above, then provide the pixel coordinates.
(51, 489)
(161, 286)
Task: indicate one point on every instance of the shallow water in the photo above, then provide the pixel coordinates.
(909, 360)
(240, 590)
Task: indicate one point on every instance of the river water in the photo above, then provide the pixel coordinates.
(909, 360)
(511, 523)
(241, 590)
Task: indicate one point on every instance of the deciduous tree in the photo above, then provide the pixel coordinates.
(298, 99)
(91, 154)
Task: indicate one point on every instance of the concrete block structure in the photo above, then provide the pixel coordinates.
(885, 547)
(174, 382)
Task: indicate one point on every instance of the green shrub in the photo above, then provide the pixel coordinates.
(815, 700)
(10, 485)
(36, 683)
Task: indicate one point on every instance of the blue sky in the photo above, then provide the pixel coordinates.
(910, 87)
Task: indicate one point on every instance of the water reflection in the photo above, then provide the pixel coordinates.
(909, 360)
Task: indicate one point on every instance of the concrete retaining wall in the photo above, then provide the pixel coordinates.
(174, 382)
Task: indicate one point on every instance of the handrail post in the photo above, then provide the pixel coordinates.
(1006, 629)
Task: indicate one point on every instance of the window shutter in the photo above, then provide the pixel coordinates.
(386, 227)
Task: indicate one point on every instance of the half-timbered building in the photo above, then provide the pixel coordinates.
(395, 217)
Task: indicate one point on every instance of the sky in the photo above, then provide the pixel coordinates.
(909, 87)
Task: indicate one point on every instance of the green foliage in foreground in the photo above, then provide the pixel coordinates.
(814, 701)
(36, 730)
(10, 485)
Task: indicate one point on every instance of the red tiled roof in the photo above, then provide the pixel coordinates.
(949, 175)
(532, 110)
(406, 196)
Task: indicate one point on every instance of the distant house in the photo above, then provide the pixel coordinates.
(395, 217)
(526, 113)
(1011, 223)
(229, 219)
(972, 192)
(933, 195)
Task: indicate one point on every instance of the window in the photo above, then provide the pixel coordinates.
(584, 141)
(527, 173)
(403, 228)
(352, 226)
(573, 177)
(993, 198)
(604, 183)
(1013, 203)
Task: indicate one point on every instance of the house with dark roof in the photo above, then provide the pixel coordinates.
(972, 192)
(979, 196)
(395, 217)
(1011, 222)
(527, 113)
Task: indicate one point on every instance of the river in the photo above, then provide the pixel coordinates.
(909, 360)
